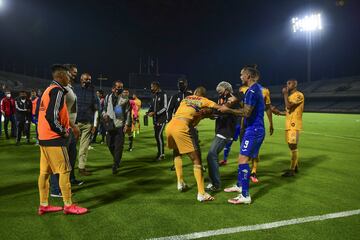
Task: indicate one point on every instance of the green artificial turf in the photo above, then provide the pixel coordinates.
(142, 200)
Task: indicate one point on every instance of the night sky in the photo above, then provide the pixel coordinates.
(207, 40)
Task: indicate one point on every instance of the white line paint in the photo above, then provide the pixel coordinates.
(263, 226)
(327, 135)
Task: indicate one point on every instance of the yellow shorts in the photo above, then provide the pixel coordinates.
(180, 136)
(54, 159)
(292, 136)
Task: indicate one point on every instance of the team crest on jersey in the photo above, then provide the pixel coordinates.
(293, 124)
(178, 99)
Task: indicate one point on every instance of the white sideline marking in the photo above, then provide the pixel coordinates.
(263, 226)
(327, 135)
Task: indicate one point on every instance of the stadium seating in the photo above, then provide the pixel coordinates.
(332, 95)
(22, 82)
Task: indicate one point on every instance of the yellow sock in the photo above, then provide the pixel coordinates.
(255, 162)
(43, 184)
(294, 159)
(65, 187)
(179, 169)
(199, 178)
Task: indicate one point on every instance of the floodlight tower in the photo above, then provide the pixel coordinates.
(308, 25)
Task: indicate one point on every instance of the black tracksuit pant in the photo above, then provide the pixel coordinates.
(115, 142)
(159, 129)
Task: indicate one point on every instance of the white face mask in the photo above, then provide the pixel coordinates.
(8, 95)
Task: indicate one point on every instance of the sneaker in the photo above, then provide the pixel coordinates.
(253, 178)
(90, 148)
(160, 158)
(240, 199)
(77, 182)
(84, 172)
(114, 170)
(210, 187)
(205, 197)
(296, 170)
(74, 209)
(56, 195)
(46, 209)
(289, 173)
(222, 163)
(130, 149)
(234, 188)
(182, 187)
(172, 168)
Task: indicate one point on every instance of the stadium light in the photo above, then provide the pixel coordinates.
(2, 5)
(309, 24)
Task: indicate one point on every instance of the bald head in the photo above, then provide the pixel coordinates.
(200, 91)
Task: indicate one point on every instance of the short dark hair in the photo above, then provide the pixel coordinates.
(156, 83)
(117, 81)
(58, 67)
(252, 69)
(182, 79)
(70, 66)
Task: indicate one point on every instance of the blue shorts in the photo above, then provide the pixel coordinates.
(251, 142)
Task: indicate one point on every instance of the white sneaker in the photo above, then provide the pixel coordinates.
(205, 197)
(234, 188)
(181, 186)
(210, 185)
(54, 195)
(90, 148)
(240, 199)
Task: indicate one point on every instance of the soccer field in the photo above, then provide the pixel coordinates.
(142, 201)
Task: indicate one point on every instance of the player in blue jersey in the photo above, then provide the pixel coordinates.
(253, 113)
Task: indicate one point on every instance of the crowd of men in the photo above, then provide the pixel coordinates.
(70, 112)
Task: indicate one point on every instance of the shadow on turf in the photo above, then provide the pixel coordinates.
(18, 188)
(145, 178)
(275, 180)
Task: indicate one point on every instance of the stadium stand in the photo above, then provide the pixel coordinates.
(340, 95)
(22, 82)
(332, 95)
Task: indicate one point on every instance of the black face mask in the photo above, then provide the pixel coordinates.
(87, 84)
(119, 91)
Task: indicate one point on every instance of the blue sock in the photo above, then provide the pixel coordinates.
(227, 150)
(243, 178)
